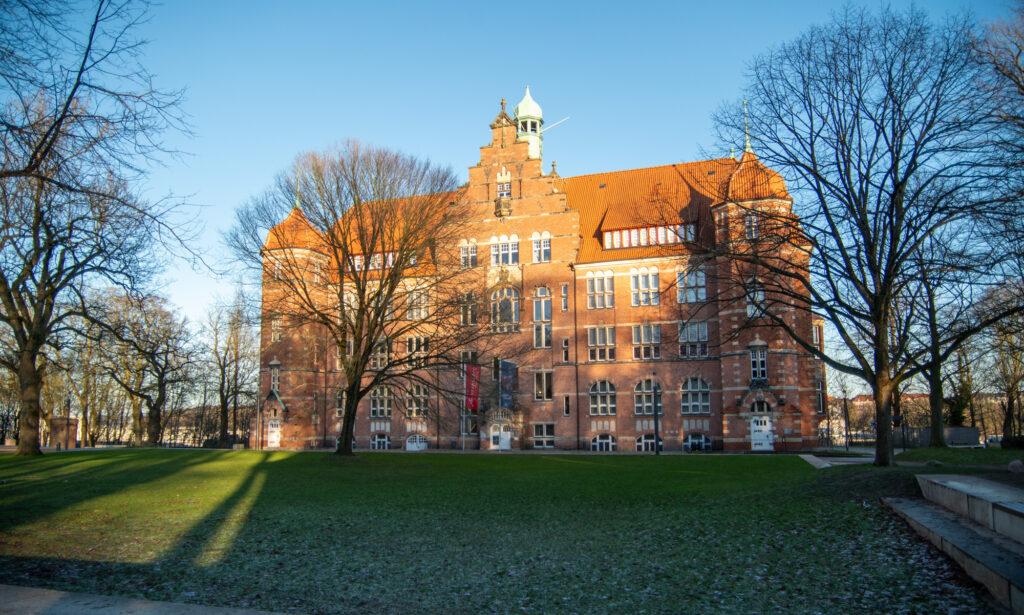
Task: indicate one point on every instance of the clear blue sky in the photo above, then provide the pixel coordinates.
(267, 80)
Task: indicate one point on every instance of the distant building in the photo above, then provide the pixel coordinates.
(601, 276)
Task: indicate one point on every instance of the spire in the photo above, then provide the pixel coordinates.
(746, 131)
(297, 204)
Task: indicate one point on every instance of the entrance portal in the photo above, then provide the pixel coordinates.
(761, 437)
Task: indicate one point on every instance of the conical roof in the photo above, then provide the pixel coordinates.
(295, 231)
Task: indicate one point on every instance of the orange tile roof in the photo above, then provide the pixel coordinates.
(655, 196)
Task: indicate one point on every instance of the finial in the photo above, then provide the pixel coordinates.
(746, 131)
(554, 166)
(502, 104)
(297, 205)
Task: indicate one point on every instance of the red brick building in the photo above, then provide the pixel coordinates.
(607, 279)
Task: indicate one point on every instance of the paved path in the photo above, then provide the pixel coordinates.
(16, 600)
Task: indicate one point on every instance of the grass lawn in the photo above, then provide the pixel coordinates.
(428, 533)
(963, 456)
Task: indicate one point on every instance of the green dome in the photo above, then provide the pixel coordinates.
(528, 108)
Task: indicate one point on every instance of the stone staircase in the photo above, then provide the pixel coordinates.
(979, 523)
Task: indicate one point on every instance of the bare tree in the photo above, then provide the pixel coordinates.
(78, 118)
(156, 341)
(232, 349)
(875, 119)
(368, 262)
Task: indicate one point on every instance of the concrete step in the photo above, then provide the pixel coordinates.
(993, 505)
(992, 559)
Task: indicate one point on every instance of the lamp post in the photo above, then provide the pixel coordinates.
(67, 421)
(655, 398)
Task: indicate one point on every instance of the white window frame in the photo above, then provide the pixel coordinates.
(646, 342)
(759, 363)
(467, 257)
(691, 286)
(693, 339)
(602, 399)
(380, 402)
(600, 291)
(644, 287)
(417, 402)
(647, 398)
(543, 386)
(695, 396)
(499, 324)
(601, 343)
(543, 435)
(542, 250)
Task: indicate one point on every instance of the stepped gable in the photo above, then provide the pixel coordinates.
(664, 195)
(295, 231)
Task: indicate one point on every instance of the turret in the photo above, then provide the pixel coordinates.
(529, 121)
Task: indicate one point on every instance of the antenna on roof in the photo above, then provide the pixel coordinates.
(550, 126)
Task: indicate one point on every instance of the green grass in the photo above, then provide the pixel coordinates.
(426, 533)
(963, 456)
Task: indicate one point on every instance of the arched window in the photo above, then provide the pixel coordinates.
(647, 397)
(505, 310)
(380, 402)
(645, 443)
(603, 443)
(602, 398)
(380, 442)
(696, 396)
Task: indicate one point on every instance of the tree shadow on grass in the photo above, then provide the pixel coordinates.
(186, 572)
(50, 484)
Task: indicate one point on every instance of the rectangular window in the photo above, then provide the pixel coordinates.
(542, 385)
(565, 350)
(418, 302)
(496, 368)
(316, 273)
(542, 335)
(752, 225)
(380, 403)
(759, 364)
(505, 190)
(819, 396)
(601, 343)
(544, 435)
(693, 340)
(275, 378)
(646, 342)
(417, 401)
(600, 292)
(377, 261)
(275, 330)
(565, 297)
(468, 257)
(616, 239)
(339, 404)
(691, 286)
(815, 334)
(504, 253)
(644, 288)
(565, 405)
(755, 300)
(542, 250)
(416, 349)
(468, 307)
(466, 357)
(381, 354)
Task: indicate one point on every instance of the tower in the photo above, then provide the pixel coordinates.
(529, 119)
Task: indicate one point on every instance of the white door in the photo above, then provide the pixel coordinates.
(416, 443)
(273, 433)
(761, 438)
(501, 437)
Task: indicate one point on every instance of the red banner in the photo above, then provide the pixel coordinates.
(472, 388)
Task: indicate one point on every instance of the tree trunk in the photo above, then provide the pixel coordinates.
(154, 427)
(882, 389)
(938, 435)
(30, 382)
(222, 436)
(345, 435)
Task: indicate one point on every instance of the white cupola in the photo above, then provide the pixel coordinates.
(529, 121)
